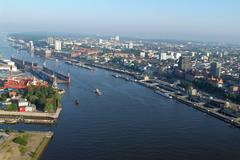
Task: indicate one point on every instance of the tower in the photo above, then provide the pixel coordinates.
(215, 69)
(185, 63)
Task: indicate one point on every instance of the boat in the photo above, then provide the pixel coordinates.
(11, 121)
(98, 92)
(69, 62)
(77, 102)
(163, 94)
(2, 121)
(116, 75)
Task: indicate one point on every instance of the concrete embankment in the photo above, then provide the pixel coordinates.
(231, 120)
(29, 117)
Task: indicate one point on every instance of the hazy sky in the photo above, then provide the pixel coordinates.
(172, 19)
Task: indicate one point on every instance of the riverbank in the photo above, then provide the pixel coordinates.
(24, 145)
(29, 117)
(182, 99)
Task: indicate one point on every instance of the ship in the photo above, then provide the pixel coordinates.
(163, 94)
(98, 92)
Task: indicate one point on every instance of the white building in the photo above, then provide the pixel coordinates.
(50, 40)
(100, 41)
(170, 55)
(7, 65)
(23, 102)
(58, 45)
(31, 46)
(163, 56)
(130, 45)
(177, 55)
(117, 38)
(142, 54)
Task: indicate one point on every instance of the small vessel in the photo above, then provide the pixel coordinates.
(77, 102)
(116, 75)
(69, 62)
(61, 91)
(56, 60)
(98, 92)
(163, 94)
(11, 121)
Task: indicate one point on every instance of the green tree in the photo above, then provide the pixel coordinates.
(49, 108)
(12, 107)
(3, 97)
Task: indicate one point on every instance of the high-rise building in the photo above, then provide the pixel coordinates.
(31, 46)
(50, 40)
(58, 45)
(215, 69)
(117, 38)
(185, 63)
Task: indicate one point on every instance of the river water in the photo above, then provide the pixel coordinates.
(128, 122)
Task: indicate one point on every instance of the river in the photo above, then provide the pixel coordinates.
(128, 122)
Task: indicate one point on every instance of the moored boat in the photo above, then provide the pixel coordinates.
(164, 94)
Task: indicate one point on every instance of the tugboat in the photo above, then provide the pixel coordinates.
(98, 92)
(77, 102)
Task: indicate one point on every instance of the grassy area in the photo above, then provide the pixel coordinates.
(40, 149)
(24, 146)
(22, 141)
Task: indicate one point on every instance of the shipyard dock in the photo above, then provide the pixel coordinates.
(42, 72)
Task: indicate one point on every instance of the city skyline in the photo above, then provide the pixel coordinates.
(186, 20)
(119, 79)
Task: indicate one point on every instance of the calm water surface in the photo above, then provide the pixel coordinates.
(128, 122)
